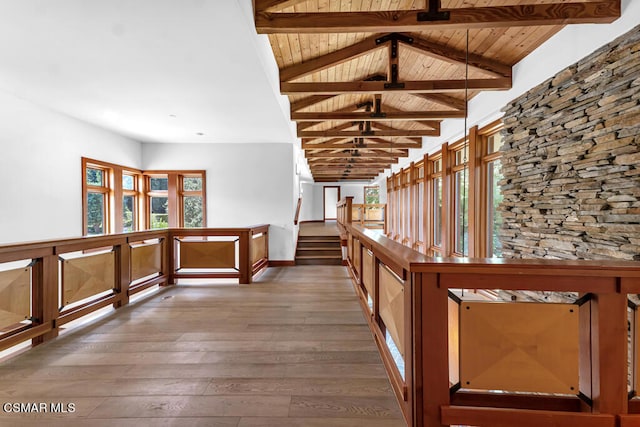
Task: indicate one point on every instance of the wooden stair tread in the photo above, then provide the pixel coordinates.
(318, 256)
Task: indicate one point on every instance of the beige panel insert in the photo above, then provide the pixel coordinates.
(207, 254)
(367, 271)
(258, 248)
(391, 300)
(526, 347)
(86, 276)
(15, 296)
(454, 342)
(146, 260)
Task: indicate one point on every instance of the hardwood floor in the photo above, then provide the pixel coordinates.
(290, 350)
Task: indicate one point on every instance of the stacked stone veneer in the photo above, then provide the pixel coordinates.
(571, 161)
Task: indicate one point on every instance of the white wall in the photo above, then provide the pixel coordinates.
(312, 197)
(40, 169)
(568, 46)
(247, 184)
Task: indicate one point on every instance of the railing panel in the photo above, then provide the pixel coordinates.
(392, 308)
(258, 247)
(525, 347)
(207, 254)
(454, 342)
(86, 276)
(146, 259)
(367, 272)
(15, 296)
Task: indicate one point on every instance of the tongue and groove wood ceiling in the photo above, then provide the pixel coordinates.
(368, 79)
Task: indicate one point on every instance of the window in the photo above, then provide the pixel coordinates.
(130, 201)
(158, 197)
(436, 177)
(119, 199)
(192, 201)
(372, 195)
(492, 168)
(175, 199)
(461, 198)
(96, 199)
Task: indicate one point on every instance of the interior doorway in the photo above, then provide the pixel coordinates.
(330, 200)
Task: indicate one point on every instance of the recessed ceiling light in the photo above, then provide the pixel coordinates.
(173, 116)
(200, 134)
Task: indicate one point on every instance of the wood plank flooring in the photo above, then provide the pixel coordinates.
(290, 350)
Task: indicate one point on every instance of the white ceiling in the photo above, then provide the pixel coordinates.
(132, 65)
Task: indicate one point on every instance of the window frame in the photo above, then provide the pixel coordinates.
(485, 219)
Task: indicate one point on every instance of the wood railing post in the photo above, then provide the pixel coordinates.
(45, 298)
(349, 210)
(123, 273)
(609, 353)
(169, 262)
(431, 350)
(245, 257)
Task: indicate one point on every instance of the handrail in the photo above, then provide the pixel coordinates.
(425, 316)
(124, 268)
(297, 215)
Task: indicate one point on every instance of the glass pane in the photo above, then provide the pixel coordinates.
(128, 182)
(437, 166)
(95, 213)
(437, 213)
(462, 156)
(494, 142)
(128, 213)
(95, 177)
(159, 212)
(372, 195)
(192, 211)
(159, 184)
(461, 213)
(420, 208)
(192, 183)
(494, 217)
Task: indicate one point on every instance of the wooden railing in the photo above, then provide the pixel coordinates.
(455, 358)
(44, 285)
(371, 215)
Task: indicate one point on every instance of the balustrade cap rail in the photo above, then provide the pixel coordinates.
(416, 262)
(88, 242)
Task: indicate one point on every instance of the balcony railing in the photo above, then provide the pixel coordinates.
(44, 285)
(457, 356)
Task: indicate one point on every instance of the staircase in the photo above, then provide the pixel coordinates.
(319, 250)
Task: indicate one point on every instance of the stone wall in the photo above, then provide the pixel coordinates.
(571, 161)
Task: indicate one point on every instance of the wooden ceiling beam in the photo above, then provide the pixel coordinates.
(358, 134)
(448, 54)
(331, 59)
(370, 117)
(523, 15)
(360, 156)
(428, 86)
(364, 146)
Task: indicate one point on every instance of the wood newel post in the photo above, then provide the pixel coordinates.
(169, 262)
(432, 354)
(609, 353)
(45, 298)
(245, 257)
(349, 210)
(123, 273)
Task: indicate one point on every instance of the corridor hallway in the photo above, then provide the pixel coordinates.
(292, 349)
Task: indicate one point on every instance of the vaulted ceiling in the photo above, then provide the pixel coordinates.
(368, 79)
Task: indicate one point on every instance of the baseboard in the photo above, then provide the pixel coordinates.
(311, 220)
(345, 263)
(282, 263)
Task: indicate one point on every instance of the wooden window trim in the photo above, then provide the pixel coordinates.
(175, 195)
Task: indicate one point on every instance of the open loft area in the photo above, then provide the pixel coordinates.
(320, 213)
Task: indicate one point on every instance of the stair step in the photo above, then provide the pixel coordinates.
(318, 256)
(316, 248)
